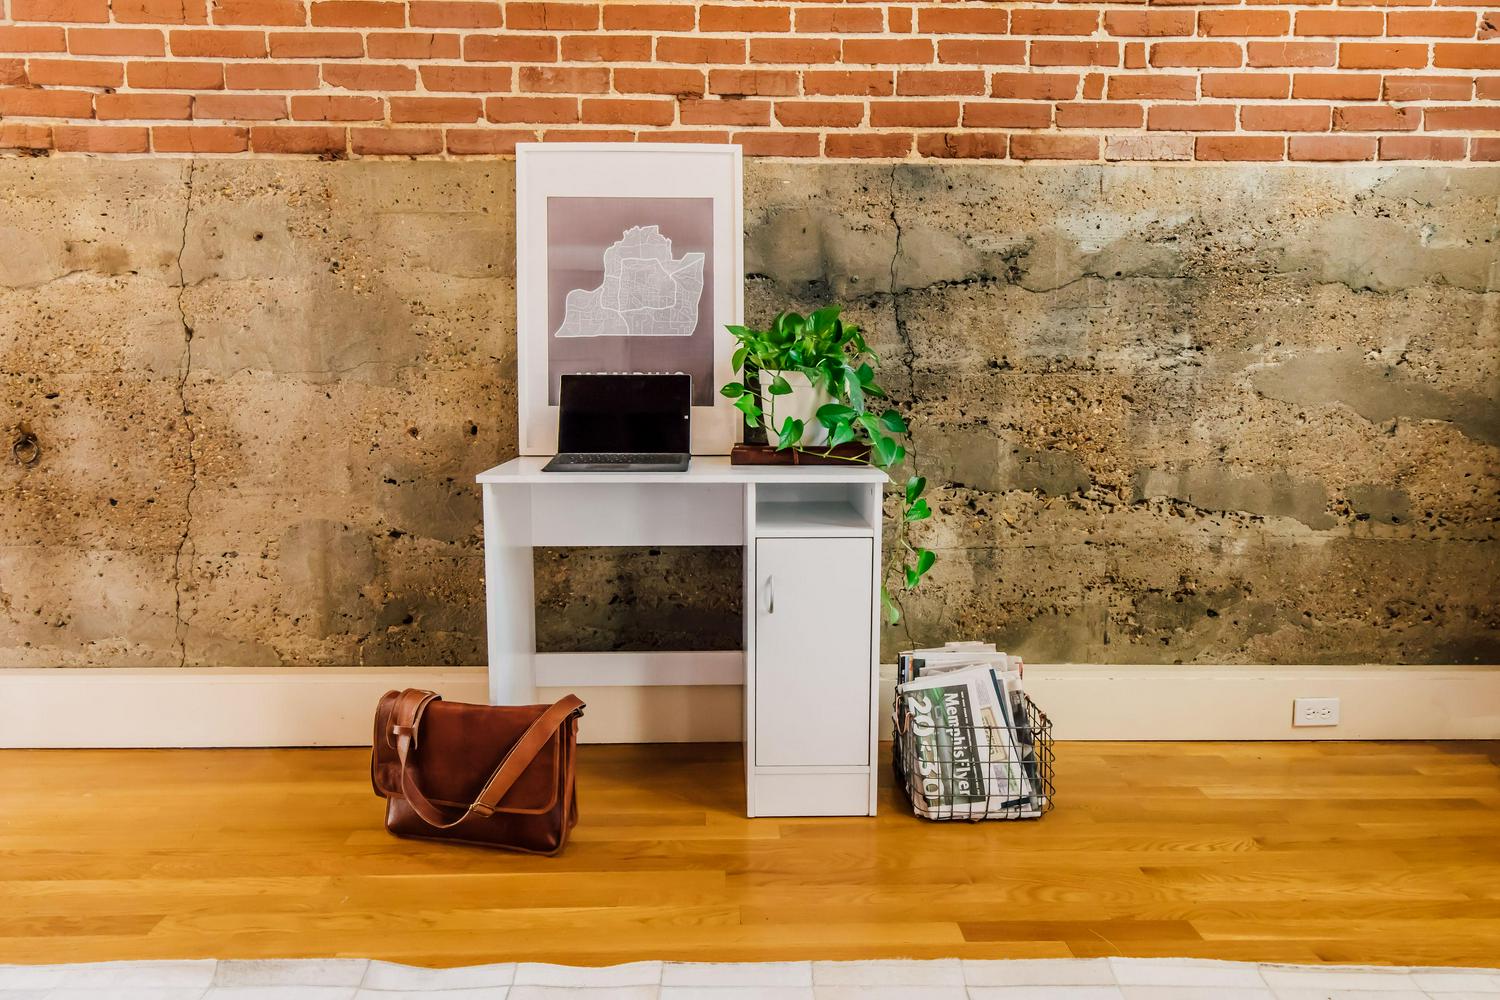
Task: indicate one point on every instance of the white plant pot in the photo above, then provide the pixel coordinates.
(803, 403)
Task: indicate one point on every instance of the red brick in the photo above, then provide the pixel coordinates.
(74, 11)
(453, 14)
(745, 82)
(1429, 88)
(924, 114)
(486, 142)
(588, 135)
(175, 75)
(898, 20)
(1098, 115)
(636, 81)
(1259, 85)
(570, 80)
(982, 51)
(1195, 54)
(29, 39)
(1376, 118)
(510, 48)
(270, 76)
(1331, 147)
(1377, 55)
(337, 108)
(1291, 53)
(1148, 147)
(1191, 118)
(1074, 54)
(1431, 24)
(470, 79)
(1054, 147)
(606, 48)
(1149, 23)
(852, 82)
(628, 111)
(1006, 114)
(1240, 23)
(323, 139)
(940, 83)
(20, 135)
(963, 145)
(1336, 86)
(369, 76)
(648, 17)
(800, 51)
(1260, 148)
(357, 14)
(317, 45)
(115, 42)
(698, 51)
(239, 107)
(1041, 21)
(30, 102)
(840, 20)
(1035, 86)
(1331, 23)
(1421, 147)
(778, 143)
(834, 114)
(682, 135)
(1135, 55)
(13, 73)
(1093, 86)
(1285, 117)
(200, 139)
(149, 107)
(101, 139)
(1483, 149)
(1475, 119)
(695, 111)
(758, 17)
(530, 110)
(160, 11)
(220, 44)
(75, 73)
(1460, 55)
(396, 141)
(961, 20)
(436, 109)
(868, 145)
(888, 50)
(283, 13)
(406, 45)
(552, 16)
(1153, 87)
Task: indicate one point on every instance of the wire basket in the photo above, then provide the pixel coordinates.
(976, 772)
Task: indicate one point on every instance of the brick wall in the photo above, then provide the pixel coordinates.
(1339, 80)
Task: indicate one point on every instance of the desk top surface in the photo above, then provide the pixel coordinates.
(702, 469)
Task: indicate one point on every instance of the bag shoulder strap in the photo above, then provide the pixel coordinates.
(510, 768)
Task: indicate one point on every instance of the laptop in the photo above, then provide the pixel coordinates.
(623, 423)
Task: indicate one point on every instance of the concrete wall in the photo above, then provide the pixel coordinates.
(1203, 414)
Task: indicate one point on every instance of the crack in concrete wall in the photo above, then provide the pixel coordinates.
(180, 623)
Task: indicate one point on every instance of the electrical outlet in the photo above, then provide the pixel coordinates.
(1315, 711)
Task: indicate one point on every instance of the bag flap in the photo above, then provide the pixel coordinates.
(459, 746)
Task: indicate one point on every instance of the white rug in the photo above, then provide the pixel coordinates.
(1063, 979)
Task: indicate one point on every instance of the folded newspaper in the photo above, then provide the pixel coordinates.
(969, 749)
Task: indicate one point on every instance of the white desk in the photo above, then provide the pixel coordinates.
(812, 583)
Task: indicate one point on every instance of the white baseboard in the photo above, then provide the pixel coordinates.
(332, 706)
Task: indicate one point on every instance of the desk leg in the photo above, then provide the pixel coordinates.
(510, 605)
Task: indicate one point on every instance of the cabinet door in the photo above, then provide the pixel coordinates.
(813, 661)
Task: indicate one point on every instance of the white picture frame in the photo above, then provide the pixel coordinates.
(570, 197)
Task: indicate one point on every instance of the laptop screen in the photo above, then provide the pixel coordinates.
(624, 413)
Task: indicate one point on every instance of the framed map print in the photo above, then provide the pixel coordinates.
(629, 260)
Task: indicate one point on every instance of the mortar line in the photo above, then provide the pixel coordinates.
(179, 624)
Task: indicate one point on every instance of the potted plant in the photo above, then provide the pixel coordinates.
(810, 381)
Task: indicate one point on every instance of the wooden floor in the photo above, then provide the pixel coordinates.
(1368, 853)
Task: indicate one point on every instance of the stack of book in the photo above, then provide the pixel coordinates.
(964, 735)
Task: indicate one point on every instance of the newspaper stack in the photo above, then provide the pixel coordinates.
(968, 748)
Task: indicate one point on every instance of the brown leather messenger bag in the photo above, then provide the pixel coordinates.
(492, 775)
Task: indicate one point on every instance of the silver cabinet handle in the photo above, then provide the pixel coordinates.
(770, 595)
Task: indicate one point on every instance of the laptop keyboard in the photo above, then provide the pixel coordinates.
(619, 458)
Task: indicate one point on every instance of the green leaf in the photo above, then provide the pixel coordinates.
(791, 433)
(886, 451)
(733, 390)
(912, 576)
(840, 434)
(854, 389)
(925, 559)
(834, 413)
(918, 511)
(780, 387)
(740, 332)
(737, 360)
(746, 405)
(914, 487)
(866, 374)
(892, 612)
(891, 421)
